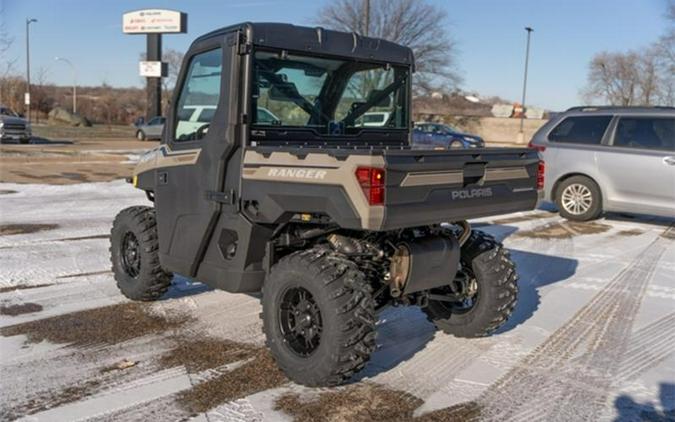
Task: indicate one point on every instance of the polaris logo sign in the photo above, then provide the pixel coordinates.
(472, 193)
(297, 173)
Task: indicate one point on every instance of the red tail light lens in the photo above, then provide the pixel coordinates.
(371, 180)
(537, 147)
(540, 175)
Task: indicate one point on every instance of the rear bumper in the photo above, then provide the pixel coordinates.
(439, 207)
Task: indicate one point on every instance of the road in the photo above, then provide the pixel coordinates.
(592, 336)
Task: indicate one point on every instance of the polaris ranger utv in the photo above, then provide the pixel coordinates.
(278, 188)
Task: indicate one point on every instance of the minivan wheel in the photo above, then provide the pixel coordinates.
(140, 135)
(578, 198)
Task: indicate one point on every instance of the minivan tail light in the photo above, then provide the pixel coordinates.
(371, 180)
(537, 147)
(540, 175)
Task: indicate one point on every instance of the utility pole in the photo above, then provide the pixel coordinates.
(63, 59)
(527, 59)
(27, 96)
(154, 84)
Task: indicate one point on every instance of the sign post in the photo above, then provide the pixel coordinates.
(153, 23)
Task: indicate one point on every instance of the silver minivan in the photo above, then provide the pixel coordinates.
(618, 159)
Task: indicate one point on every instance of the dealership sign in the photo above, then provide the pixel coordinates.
(153, 69)
(150, 21)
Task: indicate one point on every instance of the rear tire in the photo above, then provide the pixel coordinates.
(496, 294)
(134, 255)
(578, 198)
(318, 317)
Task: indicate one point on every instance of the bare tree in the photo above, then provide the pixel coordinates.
(666, 57)
(6, 62)
(645, 77)
(43, 101)
(413, 23)
(173, 59)
(630, 78)
(613, 77)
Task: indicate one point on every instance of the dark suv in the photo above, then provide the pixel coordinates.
(437, 135)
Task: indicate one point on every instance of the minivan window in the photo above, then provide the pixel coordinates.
(581, 130)
(201, 90)
(646, 132)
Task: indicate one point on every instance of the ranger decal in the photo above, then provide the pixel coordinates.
(297, 173)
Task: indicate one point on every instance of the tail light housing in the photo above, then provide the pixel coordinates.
(541, 168)
(537, 147)
(371, 180)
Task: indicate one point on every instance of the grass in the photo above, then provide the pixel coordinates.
(95, 131)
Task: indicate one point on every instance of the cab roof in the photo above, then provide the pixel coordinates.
(318, 40)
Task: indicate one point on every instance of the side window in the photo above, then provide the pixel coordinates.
(200, 90)
(646, 132)
(580, 130)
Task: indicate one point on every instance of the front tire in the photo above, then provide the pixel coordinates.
(493, 275)
(140, 135)
(456, 144)
(578, 198)
(318, 317)
(134, 254)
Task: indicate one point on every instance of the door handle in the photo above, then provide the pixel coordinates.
(669, 160)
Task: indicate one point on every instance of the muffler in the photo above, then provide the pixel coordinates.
(424, 264)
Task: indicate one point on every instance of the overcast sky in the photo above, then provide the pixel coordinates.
(489, 33)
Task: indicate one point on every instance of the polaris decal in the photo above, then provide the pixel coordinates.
(297, 173)
(472, 193)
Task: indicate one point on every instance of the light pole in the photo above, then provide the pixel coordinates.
(527, 60)
(27, 97)
(63, 59)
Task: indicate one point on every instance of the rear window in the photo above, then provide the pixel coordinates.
(646, 133)
(587, 130)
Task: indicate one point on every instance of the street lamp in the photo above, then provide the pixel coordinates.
(27, 97)
(527, 59)
(63, 59)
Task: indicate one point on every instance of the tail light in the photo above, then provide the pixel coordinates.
(540, 175)
(371, 180)
(537, 147)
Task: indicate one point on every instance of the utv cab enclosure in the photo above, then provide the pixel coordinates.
(329, 218)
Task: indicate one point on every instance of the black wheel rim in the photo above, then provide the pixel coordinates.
(130, 253)
(300, 320)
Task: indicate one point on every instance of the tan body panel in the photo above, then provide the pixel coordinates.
(163, 156)
(321, 169)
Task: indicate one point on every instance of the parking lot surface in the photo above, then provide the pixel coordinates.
(592, 336)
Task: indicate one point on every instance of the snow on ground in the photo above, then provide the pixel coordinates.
(592, 336)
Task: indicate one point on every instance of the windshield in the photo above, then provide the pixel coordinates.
(329, 96)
